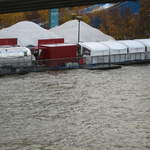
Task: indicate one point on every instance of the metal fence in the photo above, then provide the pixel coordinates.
(28, 62)
(118, 58)
(76, 61)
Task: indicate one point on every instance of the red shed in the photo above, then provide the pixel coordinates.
(8, 41)
(58, 54)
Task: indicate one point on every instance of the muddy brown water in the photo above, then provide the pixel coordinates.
(76, 110)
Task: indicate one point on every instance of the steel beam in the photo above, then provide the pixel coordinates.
(7, 6)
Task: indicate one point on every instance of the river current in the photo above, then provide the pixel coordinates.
(76, 110)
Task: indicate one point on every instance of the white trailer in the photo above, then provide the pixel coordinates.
(15, 56)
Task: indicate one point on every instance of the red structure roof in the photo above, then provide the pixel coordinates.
(8, 41)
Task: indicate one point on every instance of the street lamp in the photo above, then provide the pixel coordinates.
(79, 20)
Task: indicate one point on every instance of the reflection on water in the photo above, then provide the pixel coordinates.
(76, 110)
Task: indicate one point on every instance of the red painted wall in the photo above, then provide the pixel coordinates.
(50, 41)
(8, 41)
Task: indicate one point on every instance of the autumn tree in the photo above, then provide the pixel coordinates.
(144, 22)
(121, 26)
(11, 18)
(67, 14)
(112, 23)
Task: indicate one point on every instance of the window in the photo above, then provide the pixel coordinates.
(86, 51)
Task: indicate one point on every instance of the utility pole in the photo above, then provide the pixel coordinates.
(79, 20)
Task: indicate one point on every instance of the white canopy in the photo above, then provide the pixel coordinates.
(14, 52)
(146, 42)
(96, 48)
(133, 46)
(115, 47)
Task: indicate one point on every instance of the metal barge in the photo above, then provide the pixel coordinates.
(54, 54)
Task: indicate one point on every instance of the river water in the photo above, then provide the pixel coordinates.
(76, 110)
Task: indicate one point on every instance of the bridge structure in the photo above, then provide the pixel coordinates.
(8, 6)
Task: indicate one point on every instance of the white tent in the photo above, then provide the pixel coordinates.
(136, 50)
(118, 51)
(133, 46)
(98, 53)
(95, 48)
(103, 52)
(115, 47)
(145, 42)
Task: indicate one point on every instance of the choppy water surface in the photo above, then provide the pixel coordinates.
(76, 110)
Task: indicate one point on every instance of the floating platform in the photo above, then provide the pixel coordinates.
(134, 62)
(103, 67)
(10, 70)
(21, 70)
